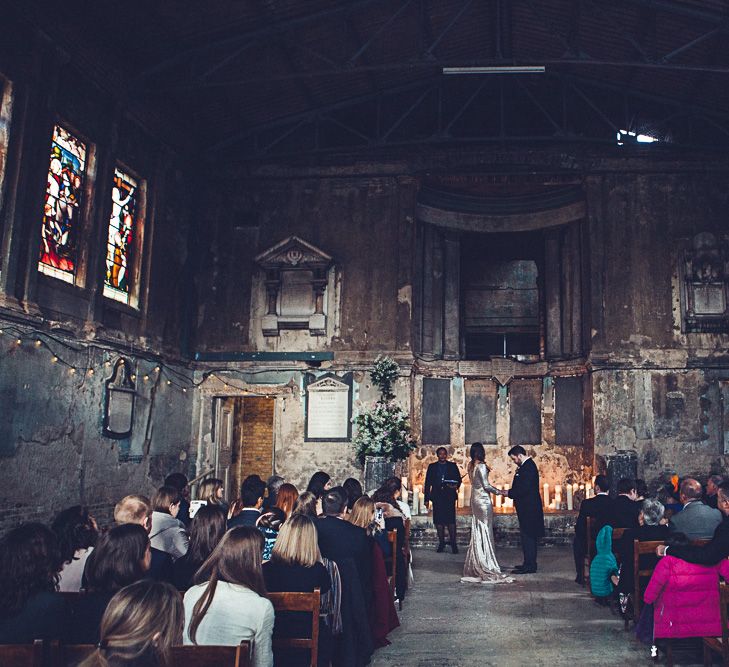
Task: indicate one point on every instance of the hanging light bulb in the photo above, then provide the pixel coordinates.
(146, 377)
(38, 343)
(72, 370)
(133, 376)
(91, 371)
(54, 359)
(19, 341)
(156, 369)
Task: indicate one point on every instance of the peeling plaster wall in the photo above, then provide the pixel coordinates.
(52, 450)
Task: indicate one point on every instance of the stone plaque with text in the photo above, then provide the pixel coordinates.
(328, 410)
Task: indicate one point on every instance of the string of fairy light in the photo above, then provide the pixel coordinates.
(61, 349)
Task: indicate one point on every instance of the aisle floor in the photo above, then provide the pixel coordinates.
(540, 619)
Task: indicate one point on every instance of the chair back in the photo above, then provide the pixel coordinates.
(617, 536)
(392, 539)
(22, 655)
(641, 549)
(70, 655)
(212, 656)
(308, 602)
(724, 602)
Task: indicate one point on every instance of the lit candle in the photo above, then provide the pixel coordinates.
(416, 501)
(498, 499)
(461, 496)
(509, 503)
(404, 494)
(467, 488)
(558, 496)
(546, 494)
(569, 497)
(551, 505)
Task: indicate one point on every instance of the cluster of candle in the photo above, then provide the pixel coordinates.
(502, 502)
(555, 503)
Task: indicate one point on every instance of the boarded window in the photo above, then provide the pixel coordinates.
(568, 412)
(481, 401)
(436, 417)
(525, 412)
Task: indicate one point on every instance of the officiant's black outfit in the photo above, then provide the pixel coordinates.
(528, 503)
(442, 481)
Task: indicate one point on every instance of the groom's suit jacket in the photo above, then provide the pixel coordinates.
(527, 501)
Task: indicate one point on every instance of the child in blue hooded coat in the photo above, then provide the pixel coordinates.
(603, 566)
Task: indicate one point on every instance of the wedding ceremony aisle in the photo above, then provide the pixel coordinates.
(542, 619)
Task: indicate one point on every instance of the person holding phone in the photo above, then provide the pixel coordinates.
(442, 481)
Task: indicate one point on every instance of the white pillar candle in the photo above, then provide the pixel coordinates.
(569, 497)
(558, 496)
(461, 496)
(546, 494)
(404, 495)
(416, 501)
(467, 494)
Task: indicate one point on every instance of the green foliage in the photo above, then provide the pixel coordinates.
(383, 430)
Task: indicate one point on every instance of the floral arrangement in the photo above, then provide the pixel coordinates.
(383, 430)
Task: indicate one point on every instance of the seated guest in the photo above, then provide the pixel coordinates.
(353, 489)
(306, 504)
(286, 498)
(30, 608)
(383, 616)
(685, 596)
(121, 557)
(651, 529)
(319, 484)
(206, 530)
(167, 533)
(712, 487)
(624, 511)
(140, 625)
(696, 520)
(229, 602)
(296, 566)
(273, 484)
(603, 567)
(386, 498)
(599, 509)
(76, 531)
(641, 490)
(138, 509)
(250, 503)
(211, 491)
(269, 523)
(717, 549)
(178, 481)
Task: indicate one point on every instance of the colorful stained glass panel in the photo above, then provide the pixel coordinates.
(62, 208)
(120, 238)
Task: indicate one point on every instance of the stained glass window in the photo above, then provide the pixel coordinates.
(121, 236)
(62, 209)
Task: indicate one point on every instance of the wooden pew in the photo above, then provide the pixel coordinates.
(70, 655)
(589, 548)
(308, 602)
(641, 549)
(22, 655)
(719, 645)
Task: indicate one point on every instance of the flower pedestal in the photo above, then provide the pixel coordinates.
(376, 470)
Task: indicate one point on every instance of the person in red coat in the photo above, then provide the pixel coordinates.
(685, 597)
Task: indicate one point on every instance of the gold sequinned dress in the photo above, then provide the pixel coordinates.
(481, 566)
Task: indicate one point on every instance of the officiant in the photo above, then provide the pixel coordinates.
(442, 481)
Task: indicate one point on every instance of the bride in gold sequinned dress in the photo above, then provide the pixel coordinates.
(481, 566)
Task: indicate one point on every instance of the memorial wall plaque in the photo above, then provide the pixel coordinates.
(481, 398)
(525, 412)
(329, 409)
(569, 411)
(436, 413)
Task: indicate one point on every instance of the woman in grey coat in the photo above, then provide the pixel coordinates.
(168, 534)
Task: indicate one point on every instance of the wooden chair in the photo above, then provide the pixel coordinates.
(308, 602)
(617, 536)
(719, 645)
(22, 655)
(392, 539)
(212, 656)
(69, 655)
(641, 549)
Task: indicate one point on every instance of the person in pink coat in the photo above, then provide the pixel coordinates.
(685, 598)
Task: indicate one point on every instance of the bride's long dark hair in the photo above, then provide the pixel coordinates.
(478, 454)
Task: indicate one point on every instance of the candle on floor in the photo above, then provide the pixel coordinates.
(546, 494)
(558, 496)
(467, 494)
(569, 497)
(416, 501)
(461, 497)
(508, 503)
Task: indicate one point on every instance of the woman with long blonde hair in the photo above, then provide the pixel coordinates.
(286, 498)
(141, 622)
(363, 514)
(229, 602)
(211, 491)
(296, 565)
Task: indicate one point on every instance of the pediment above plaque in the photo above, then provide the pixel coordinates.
(293, 252)
(328, 384)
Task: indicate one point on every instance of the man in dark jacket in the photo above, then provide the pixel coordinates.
(524, 492)
(625, 508)
(252, 491)
(598, 508)
(714, 551)
(442, 481)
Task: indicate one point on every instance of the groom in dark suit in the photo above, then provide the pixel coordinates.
(524, 492)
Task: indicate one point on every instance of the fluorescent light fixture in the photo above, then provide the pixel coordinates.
(496, 69)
